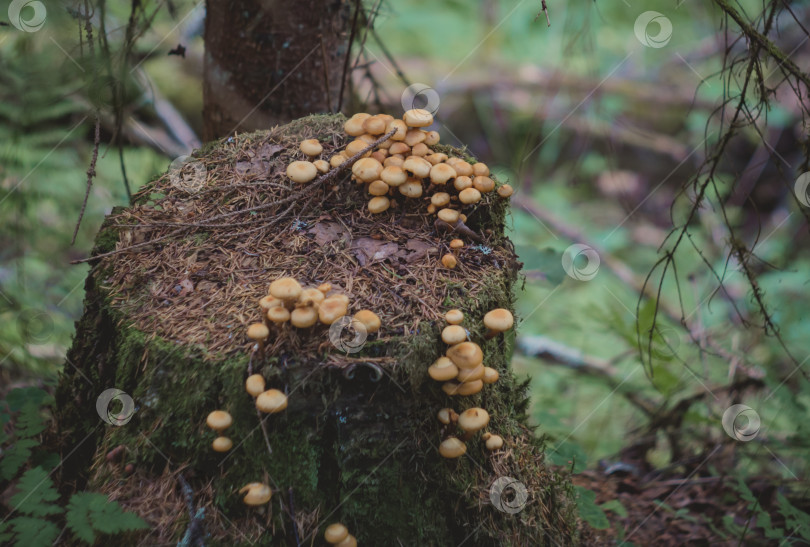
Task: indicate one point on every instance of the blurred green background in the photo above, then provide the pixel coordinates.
(600, 135)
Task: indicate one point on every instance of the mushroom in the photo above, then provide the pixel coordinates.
(304, 317)
(461, 167)
(449, 261)
(350, 541)
(311, 147)
(411, 189)
(453, 334)
(379, 204)
(472, 420)
(222, 444)
(310, 297)
(418, 117)
(378, 188)
(505, 191)
(420, 149)
(337, 160)
(493, 442)
(414, 137)
(466, 388)
(456, 244)
(418, 167)
(286, 289)
(451, 448)
(484, 184)
(462, 183)
(354, 125)
(302, 171)
(440, 199)
(394, 175)
(379, 155)
(257, 493)
(321, 165)
(278, 315)
(258, 332)
(401, 127)
(454, 317)
(480, 169)
(367, 169)
(466, 355)
(271, 401)
(450, 216)
(436, 157)
(443, 369)
(355, 147)
(399, 148)
(332, 309)
(325, 288)
(498, 320)
(219, 420)
(447, 416)
(335, 533)
(468, 196)
(432, 138)
(374, 125)
(441, 173)
(490, 375)
(268, 302)
(254, 384)
(369, 319)
(471, 374)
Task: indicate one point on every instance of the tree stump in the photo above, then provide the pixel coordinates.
(175, 282)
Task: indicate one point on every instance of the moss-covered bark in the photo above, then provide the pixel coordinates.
(352, 448)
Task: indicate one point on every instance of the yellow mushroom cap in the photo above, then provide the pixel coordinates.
(304, 317)
(418, 117)
(466, 355)
(417, 167)
(440, 199)
(468, 196)
(462, 168)
(484, 184)
(490, 375)
(321, 165)
(325, 288)
(465, 388)
(414, 137)
(449, 261)
(420, 149)
(480, 169)
(302, 171)
(441, 173)
(311, 147)
(437, 157)
(258, 331)
(375, 125)
(367, 169)
(254, 384)
(471, 374)
(399, 148)
(447, 416)
(257, 493)
(332, 309)
(473, 419)
(400, 126)
(394, 176)
(411, 189)
(499, 320)
(311, 297)
(354, 125)
(450, 216)
(278, 315)
(268, 302)
(335, 532)
(453, 334)
(494, 442)
(379, 204)
(456, 244)
(369, 319)
(349, 541)
(505, 190)
(219, 420)
(222, 444)
(378, 188)
(454, 317)
(462, 183)
(451, 447)
(338, 159)
(285, 288)
(432, 138)
(271, 401)
(443, 369)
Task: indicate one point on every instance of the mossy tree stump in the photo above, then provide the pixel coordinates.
(165, 319)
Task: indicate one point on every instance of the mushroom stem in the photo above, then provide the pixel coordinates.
(490, 334)
(467, 436)
(260, 350)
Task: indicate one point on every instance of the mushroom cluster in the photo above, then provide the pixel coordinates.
(219, 420)
(405, 165)
(338, 535)
(288, 301)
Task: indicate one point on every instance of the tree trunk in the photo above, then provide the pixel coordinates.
(358, 444)
(270, 61)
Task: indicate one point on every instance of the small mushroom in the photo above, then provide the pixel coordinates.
(222, 444)
(464, 389)
(271, 401)
(498, 320)
(462, 183)
(483, 184)
(338, 159)
(480, 169)
(400, 126)
(451, 448)
(469, 196)
(414, 137)
(369, 319)
(304, 317)
(466, 355)
(278, 315)
(302, 171)
(447, 416)
(454, 334)
(440, 199)
(367, 169)
(411, 189)
(254, 384)
(454, 317)
(472, 420)
(449, 261)
(286, 289)
(493, 442)
(325, 288)
(394, 176)
(335, 533)
(219, 420)
(442, 174)
(379, 204)
(432, 138)
(443, 369)
(456, 244)
(420, 149)
(505, 190)
(418, 117)
(321, 165)
(354, 125)
(311, 147)
(350, 541)
(378, 188)
(310, 297)
(257, 493)
(258, 332)
(490, 375)
(374, 125)
(417, 167)
(450, 216)
(471, 374)
(332, 309)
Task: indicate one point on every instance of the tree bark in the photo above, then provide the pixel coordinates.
(268, 62)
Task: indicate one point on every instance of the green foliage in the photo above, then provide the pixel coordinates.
(36, 501)
(589, 510)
